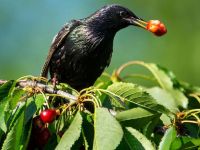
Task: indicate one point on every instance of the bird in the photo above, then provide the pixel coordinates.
(83, 48)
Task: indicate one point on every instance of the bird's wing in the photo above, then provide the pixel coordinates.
(57, 41)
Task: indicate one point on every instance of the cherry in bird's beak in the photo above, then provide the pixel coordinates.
(154, 26)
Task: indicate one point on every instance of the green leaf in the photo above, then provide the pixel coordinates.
(166, 120)
(8, 100)
(135, 94)
(139, 118)
(3, 105)
(72, 134)
(86, 145)
(168, 138)
(26, 133)
(87, 130)
(12, 141)
(5, 89)
(115, 101)
(123, 144)
(150, 127)
(63, 122)
(15, 97)
(168, 82)
(136, 117)
(164, 98)
(108, 132)
(16, 114)
(136, 140)
(39, 100)
(103, 81)
(9, 143)
(134, 114)
(185, 143)
(30, 110)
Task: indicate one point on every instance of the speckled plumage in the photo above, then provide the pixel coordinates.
(83, 48)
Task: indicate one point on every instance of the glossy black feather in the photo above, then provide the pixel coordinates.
(83, 48)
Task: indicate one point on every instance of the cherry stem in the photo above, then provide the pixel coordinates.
(141, 23)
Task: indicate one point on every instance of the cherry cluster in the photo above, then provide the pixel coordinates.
(40, 132)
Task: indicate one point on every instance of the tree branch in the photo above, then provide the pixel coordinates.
(45, 88)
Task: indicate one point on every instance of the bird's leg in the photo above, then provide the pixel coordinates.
(54, 80)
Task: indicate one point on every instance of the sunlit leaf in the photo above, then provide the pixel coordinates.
(39, 100)
(185, 143)
(168, 82)
(136, 117)
(150, 127)
(9, 143)
(71, 134)
(167, 139)
(164, 98)
(133, 114)
(108, 132)
(5, 89)
(15, 97)
(103, 81)
(136, 140)
(26, 132)
(87, 131)
(16, 113)
(135, 94)
(13, 138)
(3, 120)
(30, 110)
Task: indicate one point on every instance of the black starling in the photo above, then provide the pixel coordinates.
(83, 48)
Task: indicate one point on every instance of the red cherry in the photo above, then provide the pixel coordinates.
(48, 115)
(39, 138)
(156, 27)
(42, 138)
(38, 123)
(45, 135)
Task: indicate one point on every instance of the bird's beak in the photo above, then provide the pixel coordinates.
(138, 22)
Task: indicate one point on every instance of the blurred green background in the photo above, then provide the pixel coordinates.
(27, 28)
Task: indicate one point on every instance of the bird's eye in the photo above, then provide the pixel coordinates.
(123, 14)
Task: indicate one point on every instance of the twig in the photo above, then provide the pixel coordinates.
(45, 88)
(122, 67)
